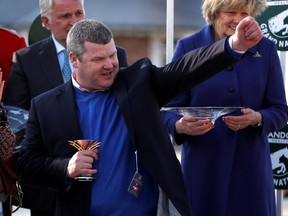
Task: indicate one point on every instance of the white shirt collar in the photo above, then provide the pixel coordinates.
(59, 47)
(76, 85)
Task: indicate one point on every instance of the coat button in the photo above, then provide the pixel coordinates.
(231, 90)
(230, 68)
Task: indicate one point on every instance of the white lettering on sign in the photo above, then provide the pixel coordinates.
(278, 135)
(275, 28)
(281, 182)
(275, 3)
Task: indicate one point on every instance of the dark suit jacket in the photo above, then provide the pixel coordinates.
(141, 90)
(35, 71)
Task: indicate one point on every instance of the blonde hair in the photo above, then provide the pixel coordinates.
(210, 8)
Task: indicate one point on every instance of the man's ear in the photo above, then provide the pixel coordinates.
(45, 22)
(73, 60)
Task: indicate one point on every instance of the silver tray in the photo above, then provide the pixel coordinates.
(212, 113)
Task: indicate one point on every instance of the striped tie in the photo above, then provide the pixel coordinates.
(66, 70)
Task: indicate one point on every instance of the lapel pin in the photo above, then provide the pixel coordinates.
(257, 55)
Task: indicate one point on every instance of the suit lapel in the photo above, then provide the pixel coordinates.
(122, 97)
(68, 111)
(47, 57)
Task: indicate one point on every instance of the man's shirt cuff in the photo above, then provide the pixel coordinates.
(234, 53)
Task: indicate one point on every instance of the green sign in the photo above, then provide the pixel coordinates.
(279, 156)
(274, 23)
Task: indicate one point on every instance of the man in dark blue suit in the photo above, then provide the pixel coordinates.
(37, 69)
(119, 108)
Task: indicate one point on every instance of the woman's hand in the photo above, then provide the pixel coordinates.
(249, 118)
(193, 126)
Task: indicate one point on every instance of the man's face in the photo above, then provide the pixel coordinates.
(64, 14)
(98, 66)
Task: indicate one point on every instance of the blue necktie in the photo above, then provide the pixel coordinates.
(66, 70)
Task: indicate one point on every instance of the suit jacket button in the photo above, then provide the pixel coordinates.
(231, 133)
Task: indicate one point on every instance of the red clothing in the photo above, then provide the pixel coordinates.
(10, 42)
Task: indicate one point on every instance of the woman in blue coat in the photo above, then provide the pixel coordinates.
(227, 165)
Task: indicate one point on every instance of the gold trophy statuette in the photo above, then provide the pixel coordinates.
(85, 144)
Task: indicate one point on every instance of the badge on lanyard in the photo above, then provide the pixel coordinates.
(137, 181)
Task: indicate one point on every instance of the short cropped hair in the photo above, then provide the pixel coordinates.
(210, 8)
(87, 30)
(46, 7)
